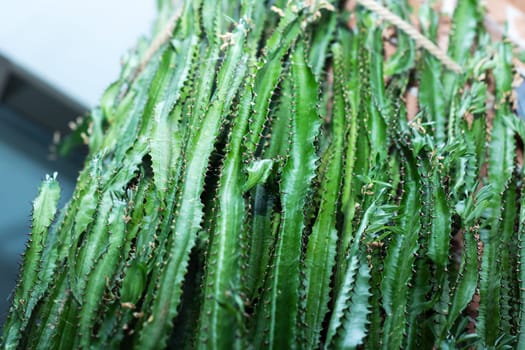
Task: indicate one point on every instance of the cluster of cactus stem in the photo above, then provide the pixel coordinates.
(259, 183)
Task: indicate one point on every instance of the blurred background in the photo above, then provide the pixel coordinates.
(56, 59)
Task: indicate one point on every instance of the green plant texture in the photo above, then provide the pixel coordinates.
(259, 183)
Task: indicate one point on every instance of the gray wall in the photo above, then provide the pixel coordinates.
(75, 45)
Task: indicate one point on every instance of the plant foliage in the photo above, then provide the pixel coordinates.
(260, 183)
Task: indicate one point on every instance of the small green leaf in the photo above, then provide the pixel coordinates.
(133, 283)
(258, 172)
(45, 205)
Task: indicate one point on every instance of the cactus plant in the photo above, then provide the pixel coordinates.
(255, 181)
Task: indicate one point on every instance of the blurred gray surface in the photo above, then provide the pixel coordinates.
(74, 45)
(520, 92)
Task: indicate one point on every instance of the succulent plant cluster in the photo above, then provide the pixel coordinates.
(259, 182)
